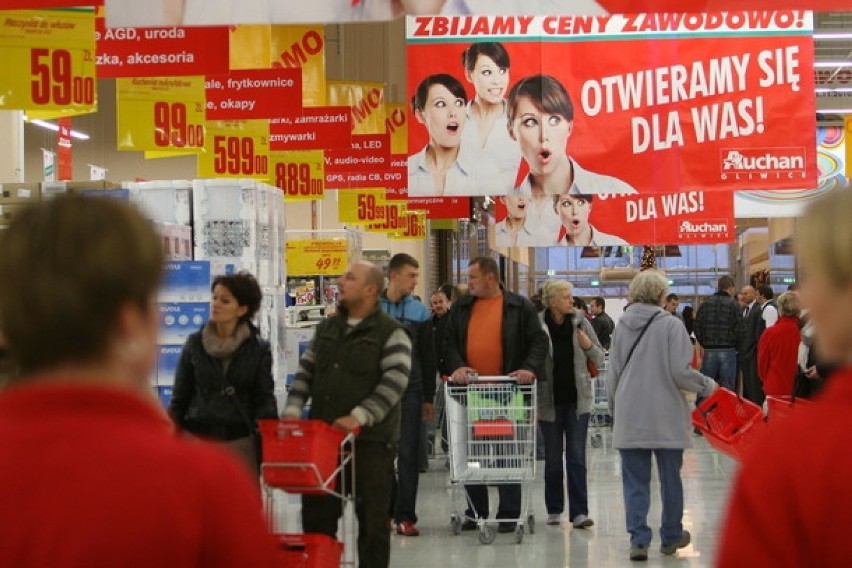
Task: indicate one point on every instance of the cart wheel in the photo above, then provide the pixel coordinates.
(486, 534)
(531, 523)
(519, 534)
(456, 524)
(596, 440)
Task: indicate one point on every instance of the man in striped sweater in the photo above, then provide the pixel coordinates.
(355, 372)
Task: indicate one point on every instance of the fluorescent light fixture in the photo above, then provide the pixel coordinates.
(834, 111)
(833, 35)
(837, 90)
(55, 127)
(832, 64)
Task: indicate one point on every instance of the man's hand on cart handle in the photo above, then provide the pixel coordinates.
(428, 412)
(347, 423)
(459, 376)
(523, 376)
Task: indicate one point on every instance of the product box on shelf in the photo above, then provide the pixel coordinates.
(51, 189)
(186, 281)
(179, 320)
(168, 357)
(19, 193)
(7, 211)
(163, 201)
(176, 239)
(120, 194)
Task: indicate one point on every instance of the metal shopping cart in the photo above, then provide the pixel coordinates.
(310, 457)
(491, 431)
(599, 417)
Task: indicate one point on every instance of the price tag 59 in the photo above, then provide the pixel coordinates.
(235, 155)
(54, 80)
(171, 128)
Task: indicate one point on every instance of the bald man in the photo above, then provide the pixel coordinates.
(752, 386)
(355, 371)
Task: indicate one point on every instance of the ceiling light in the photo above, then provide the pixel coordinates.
(832, 64)
(55, 127)
(837, 90)
(831, 35)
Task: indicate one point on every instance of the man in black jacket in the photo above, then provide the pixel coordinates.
(602, 323)
(492, 331)
(719, 330)
(752, 386)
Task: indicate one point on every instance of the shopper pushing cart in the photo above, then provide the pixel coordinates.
(493, 332)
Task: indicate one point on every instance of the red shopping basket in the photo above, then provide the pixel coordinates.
(299, 455)
(493, 428)
(780, 407)
(729, 423)
(309, 550)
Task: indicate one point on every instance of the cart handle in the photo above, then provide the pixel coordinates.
(482, 379)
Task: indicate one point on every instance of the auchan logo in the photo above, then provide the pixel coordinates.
(762, 163)
(702, 230)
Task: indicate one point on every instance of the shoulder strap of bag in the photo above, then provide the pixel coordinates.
(635, 343)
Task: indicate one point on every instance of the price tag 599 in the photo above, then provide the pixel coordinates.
(236, 155)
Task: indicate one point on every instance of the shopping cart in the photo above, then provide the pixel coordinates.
(491, 431)
(314, 458)
(599, 416)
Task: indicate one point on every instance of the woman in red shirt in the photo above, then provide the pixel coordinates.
(778, 349)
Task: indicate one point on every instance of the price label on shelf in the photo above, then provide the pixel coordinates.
(49, 62)
(299, 174)
(236, 149)
(361, 206)
(309, 257)
(160, 114)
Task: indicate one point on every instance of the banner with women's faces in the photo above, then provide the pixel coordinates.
(609, 106)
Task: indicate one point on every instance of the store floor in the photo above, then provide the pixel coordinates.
(706, 478)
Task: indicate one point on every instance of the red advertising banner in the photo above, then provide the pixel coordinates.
(256, 93)
(160, 52)
(64, 151)
(360, 166)
(40, 4)
(317, 128)
(442, 207)
(647, 103)
(685, 217)
(632, 6)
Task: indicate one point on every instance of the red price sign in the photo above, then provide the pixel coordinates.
(55, 81)
(173, 129)
(235, 155)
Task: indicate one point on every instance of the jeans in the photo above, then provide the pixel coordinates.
(721, 366)
(636, 479)
(374, 472)
(569, 431)
(404, 497)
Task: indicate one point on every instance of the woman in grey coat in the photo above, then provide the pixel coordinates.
(650, 412)
(565, 400)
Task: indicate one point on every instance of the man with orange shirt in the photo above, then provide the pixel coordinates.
(492, 331)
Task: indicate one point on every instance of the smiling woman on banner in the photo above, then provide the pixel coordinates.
(441, 168)
(541, 119)
(486, 136)
(574, 211)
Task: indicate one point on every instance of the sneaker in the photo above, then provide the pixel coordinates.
(506, 527)
(469, 525)
(669, 549)
(638, 552)
(555, 519)
(582, 522)
(407, 528)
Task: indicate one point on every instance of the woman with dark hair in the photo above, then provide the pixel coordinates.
(223, 382)
(541, 119)
(441, 168)
(93, 474)
(577, 231)
(486, 136)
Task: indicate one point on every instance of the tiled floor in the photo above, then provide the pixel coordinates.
(706, 476)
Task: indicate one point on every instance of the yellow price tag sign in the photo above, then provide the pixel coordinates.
(160, 114)
(366, 103)
(235, 149)
(49, 61)
(394, 218)
(413, 227)
(309, 257)
(299, 174)
(362, 206)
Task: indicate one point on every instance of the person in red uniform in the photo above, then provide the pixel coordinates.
(93, 473)
(778, 349)
(793, 489)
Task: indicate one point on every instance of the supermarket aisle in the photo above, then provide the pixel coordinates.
(706, 475)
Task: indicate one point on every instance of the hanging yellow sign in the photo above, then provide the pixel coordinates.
(366, 103)
(235, 149)
(396, 124)
(48, 62)
(361, 206)
(309, 257)
(160, 114)
(299, 174)
(302, 47)
(413, 226)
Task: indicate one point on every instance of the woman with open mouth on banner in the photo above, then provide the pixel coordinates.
(513, 231)
(574, 211)
(541, 118)
(486, 136)
(441, 168)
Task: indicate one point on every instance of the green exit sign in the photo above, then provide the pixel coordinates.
(595, 283)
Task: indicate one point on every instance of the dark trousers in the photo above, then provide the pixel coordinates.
(510, 501)
(373, 475)
(404, 497)
(752, 385)
(568, 431)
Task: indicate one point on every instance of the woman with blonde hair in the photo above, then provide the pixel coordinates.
(649, 370)
(93, 473)
(789, 493)
(565, 402)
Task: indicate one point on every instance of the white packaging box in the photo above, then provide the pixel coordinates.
(163, 201)
(168, 357)
(176, 240)
(271, 321)
(179, 320)
(186, 281)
